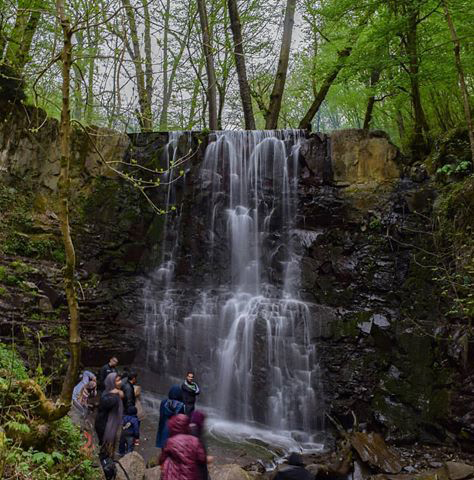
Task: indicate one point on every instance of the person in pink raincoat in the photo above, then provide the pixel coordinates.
(183, 454)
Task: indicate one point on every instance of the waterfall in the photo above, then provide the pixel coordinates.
(241, 326)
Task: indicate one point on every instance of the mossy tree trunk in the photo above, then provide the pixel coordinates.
(19, 45)
(64, 190)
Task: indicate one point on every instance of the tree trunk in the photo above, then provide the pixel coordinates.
(63, 191)
(374, 78)
(144, 113)
(93, 49)
(211, 73)
(461, 77)
(19, 46)
(148, 56)
(166, 96)
(327, 82)
(195, 98)
(411, 42)
(240, 65)
(282, 69)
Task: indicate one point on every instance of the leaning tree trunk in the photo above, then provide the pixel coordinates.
(64, 191)
(211, 73)
(461, 77)
(276, 96)
(240, 65)
(323, 91)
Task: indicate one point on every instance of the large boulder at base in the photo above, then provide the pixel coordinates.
(459, 471)
(361, 157)
(229, 472)
(134, 464)
(153, 473)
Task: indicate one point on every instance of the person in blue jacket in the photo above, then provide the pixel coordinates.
(130, 431)
(168, 408)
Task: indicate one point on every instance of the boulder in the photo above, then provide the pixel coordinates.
(373, 450)
(229, 472)
(360, 157)
(134, 464)
(153, 473)
(459, 471)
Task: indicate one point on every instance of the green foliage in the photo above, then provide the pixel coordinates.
(11, 364)
(454, 241)
(59, 456)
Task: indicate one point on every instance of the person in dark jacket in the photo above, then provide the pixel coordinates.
(129, 391)
(130, 431)
(109, 414)
(109, 367)
(183, 454)
(173, 405)
(196, 428)
(294, 470)
(190, 392)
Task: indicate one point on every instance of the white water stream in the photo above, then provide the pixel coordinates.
(248, 336)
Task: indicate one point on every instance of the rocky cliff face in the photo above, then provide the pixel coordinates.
(374, 304)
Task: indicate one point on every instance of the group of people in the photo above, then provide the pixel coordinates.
(180, 434)
(180, 428)
(119, 411)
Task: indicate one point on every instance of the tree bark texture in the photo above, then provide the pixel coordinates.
(241, 68)
(210, 70)
(276, 96)
(64, 189)
(461, 76)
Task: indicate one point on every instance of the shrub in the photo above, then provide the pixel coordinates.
(59, 456)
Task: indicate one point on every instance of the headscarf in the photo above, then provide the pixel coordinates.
(197, 422)
(175, 393)
(86, 378)
(114, 419)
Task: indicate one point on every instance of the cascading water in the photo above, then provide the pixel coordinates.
(243, 329)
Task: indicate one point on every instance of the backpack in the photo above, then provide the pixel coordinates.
(109, 468)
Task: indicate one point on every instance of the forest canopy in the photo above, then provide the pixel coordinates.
(404, 66)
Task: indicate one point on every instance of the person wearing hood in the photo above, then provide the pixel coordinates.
(85, 389)
(294, 470)
(109, 415)
(196, 428)
(173, 405)
(190, 392)
(183, 453)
